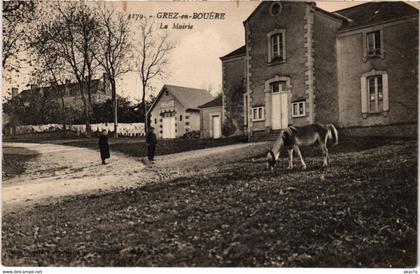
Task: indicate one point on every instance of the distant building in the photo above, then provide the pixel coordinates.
(100, 92)
(211, 119)
(176, 110)
(356, 68)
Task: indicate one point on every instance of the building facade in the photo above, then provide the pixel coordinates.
(356, 67)
(234, 91)
(100, 90)
(176, 111)
(211, 119)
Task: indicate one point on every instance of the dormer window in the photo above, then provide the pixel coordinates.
(374, 43)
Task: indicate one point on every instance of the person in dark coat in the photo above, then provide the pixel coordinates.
(103, 146)
(151, 144)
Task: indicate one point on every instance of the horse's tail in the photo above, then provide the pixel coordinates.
(333, 133)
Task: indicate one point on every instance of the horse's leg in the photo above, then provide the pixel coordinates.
(326, 150)
(325, 153)
(290, 151)
(296, 148)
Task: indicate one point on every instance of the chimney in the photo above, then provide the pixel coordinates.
(14, 92)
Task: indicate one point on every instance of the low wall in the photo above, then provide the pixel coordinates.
(124, 129)
(400, 130)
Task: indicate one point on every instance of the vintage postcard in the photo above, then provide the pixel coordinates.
(279, 135)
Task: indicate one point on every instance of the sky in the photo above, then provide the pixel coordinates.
(195, 60)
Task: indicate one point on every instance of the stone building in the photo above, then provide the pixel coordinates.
(356, 68)
(234, 90)
(176, 111)
(100, 92)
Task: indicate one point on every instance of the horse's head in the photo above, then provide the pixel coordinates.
(271, 160)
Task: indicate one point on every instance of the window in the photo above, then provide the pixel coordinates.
(180, 117)
(275, 9)
(186, 117)
(278, 86)
(155, 120)
(298, 109)
(375, 93)
(187, 123)
(374, 43)
(276, 45)
(258, 114)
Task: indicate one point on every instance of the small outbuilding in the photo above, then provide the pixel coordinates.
(211, 118)
(176, 111)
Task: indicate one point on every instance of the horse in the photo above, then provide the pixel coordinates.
(294, 137)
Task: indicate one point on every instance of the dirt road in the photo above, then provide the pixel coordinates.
(61, 171)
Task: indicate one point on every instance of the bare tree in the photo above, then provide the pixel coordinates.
(153, 54)
(51, 69)
(72, 32)
(114, 49)
(16, 15)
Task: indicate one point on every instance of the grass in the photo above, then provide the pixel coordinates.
(136, 147)
(360, 212)
(14, 159)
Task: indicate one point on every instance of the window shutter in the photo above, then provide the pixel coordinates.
(363, 95)
(385, 92)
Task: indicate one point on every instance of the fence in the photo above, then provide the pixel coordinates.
(124, 129)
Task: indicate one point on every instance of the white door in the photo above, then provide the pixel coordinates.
(279, 110)
(216, 126)
(168, 127)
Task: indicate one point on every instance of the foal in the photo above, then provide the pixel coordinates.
(294, 137)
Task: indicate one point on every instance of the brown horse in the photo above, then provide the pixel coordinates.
(294, 137)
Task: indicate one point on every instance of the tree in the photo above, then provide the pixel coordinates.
(72, 31)
(16, 15)
(153, 53)
(51, 71)
(114, 49)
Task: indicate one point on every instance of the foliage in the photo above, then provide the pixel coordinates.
(228, 128)
(34, 110)
(191, 135)
(127, 112)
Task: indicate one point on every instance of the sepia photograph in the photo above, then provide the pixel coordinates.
(275, 135)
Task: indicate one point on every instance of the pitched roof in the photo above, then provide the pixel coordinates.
(52, 91)
(190, 98)
(375, 12)
(213, 103)
(236, 53)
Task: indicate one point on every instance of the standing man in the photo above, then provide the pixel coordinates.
(151, 144)
(103, 146)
